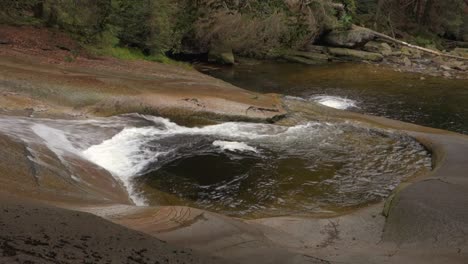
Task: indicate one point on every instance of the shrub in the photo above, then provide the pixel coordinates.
(20, 12)
(147, 25)
(85, 19)
(258, 28)
(444, 18)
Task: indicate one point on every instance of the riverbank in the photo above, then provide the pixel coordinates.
(358, 87)
(360, 44)
(103, 86)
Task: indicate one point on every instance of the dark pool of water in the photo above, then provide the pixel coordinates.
(415, 98)
(272, 170)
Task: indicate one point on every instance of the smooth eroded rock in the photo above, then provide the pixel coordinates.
(355, 54)
(221, 56)
(353, 37)
(378, 47)
(304, 57)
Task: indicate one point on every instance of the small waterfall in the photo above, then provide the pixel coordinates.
(361, 164)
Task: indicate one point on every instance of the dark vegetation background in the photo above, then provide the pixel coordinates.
(257, 28)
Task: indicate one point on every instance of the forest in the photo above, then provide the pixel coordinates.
(249, 27)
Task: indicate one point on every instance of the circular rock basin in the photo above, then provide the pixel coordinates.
(256, 170)
(238, 169)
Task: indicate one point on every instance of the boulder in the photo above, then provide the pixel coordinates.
(438, 60)
(412, 53)
(406, 61)
(319, 57)
(405, 51)
(445, 67)
(221, 56)
(378, 47)
(462, 52)
(356, 36)
(355, 54)
(316, 48)
(299, 59)
(455, 64)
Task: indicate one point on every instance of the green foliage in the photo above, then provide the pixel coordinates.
(259, 28)
(152, 27)
(346, 21)
(69, 58)
(442, 18)
(423, 41)
(130, 54)
(350, 6)
(85, 19)
(20, 12)
(147, 25)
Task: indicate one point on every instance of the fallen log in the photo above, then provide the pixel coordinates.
(403, 43)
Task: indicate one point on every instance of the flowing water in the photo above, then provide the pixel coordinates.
(425, 100)
(240, 169)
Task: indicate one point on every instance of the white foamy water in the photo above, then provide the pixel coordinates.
(129, 152)
(234, 146)
(334, 101)
(55, 140)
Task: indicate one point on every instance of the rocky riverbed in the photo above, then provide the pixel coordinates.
(363, 45)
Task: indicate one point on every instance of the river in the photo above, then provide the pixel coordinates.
(430, 101)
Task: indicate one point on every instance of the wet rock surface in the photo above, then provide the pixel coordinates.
(32, 77)
(440, 219)
(35, 233)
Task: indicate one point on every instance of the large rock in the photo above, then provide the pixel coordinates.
(311, 55)
(412, 53)
(304, 57)
(378, 47)
(221, 55)
(462, 52)
(315, 48)
(36, 233)
(407, 62)
(355, 54)
(356, 36)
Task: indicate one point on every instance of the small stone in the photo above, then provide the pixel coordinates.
(422, 78)
(438, 60)
(405, 51)
(445, 67)
(416, 54)
(407, 62)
